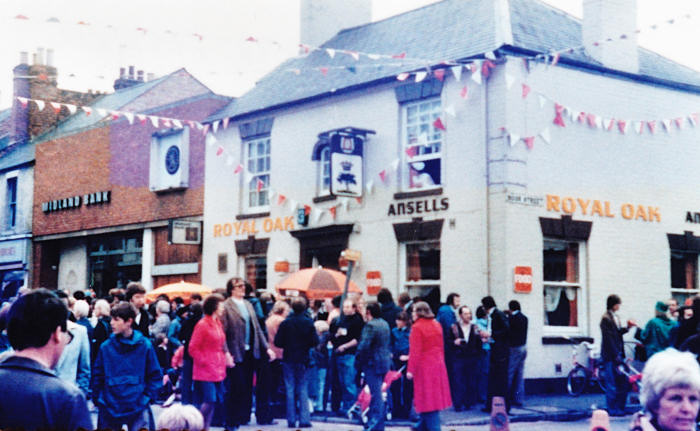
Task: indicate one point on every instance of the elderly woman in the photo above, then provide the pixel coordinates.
(426, 366)
(670, 392)
(162, 319)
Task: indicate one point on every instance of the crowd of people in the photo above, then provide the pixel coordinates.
(234, 352)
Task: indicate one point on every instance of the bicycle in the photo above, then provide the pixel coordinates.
(583, 375)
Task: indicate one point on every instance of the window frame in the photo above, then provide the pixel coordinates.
(421, 285)
(11, 204)
(323, 171)
(582, 291)
(159, 149)
(435, 112)
(251, 178)
(686, 292)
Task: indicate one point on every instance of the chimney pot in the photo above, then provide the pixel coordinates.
(34, 59)
(609, 33)
(122, 72)
(23, 57)
(49, 57)
(40, 56)
(131, 72)
(140, 75)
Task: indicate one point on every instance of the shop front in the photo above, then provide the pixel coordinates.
(14, 265)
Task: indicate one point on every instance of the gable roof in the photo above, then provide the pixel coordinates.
(448, 30)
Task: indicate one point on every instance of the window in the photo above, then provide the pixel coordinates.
(11, 197)
(258, 165)
(684, 274)
(324, 171)
(562, 282)
(169, 167)
(422, 266)
(256, 271)
(114, 261)
(422, 145)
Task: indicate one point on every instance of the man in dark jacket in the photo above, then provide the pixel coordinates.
(613, 354)
(390, 310)
(374, 359)
(346, 331)
(136, 296)
(31, 395)
(517, 340)
(500, 352)
(126, 376)
(297, 336)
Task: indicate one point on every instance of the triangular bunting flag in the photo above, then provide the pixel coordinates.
(370, 187)
(438, 124)
(439, 74)
(23, 101)
(345, 202)
(403, 76)
(696, 117)
(639, 127)
(56, 107)
(238, 169)
(411, 151)
(667, 125)
(608, 124)
(395, 165)
(423, 138)
(359, 200)
(225, 122)
(581, 117)
(514, 138)
(464, 93)
(510, 80)
(486, 68)
(211, 139)
(399, 56)
(318, 213)
(71, 108)
(529, 142)
(591, 119)
(545, 135)
(457, 72)
(280, 199)
(142, 118)
(167, 122)
(324, 71)
(622, 126)
(558, 118)
(382, 175)
(154, 120)
(353, 54)
(490, 55)
(542, 100)
(40, 104)
(598, 122)
(679, 122)
(220, 150)
(330, 52)
(272, 192)
(129, 117)
(259, 185)
(177, 123)
(205, 129)
(555, 59)
(332, 210)
(115, 115)
(652, 126)
(215, 125)
(476, 72)
(307, 210)
(526, 90)
(374, 56)
(421, 76)
(450, 110)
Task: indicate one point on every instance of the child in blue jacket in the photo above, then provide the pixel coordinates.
(126, 375)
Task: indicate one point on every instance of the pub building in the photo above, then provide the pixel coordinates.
(118, 199)
(504, 171)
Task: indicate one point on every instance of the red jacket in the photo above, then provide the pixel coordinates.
(207, 350)
(426, 361)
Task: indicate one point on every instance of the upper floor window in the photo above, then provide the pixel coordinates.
(11, 198)
(169, 167)
(685, 250)
(324, 171)
(257, 154)
(422, 145)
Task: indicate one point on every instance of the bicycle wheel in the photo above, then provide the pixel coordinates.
(577, 381)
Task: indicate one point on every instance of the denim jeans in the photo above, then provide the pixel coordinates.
(616, 388)
(317, 382)
(429, 421)
(133, 422)
(297, 388)
(377, 407)
(346, 374)
(186, 385)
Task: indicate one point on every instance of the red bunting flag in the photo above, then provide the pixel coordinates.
(438, 124)
(115, 115)
(359, 200)
(332, 210)
(23, 101)
(555, 59)
(558, 115)
(679, 122)
(382, 174)
(464, 93)
(530, 142)
(56, 107)
(695, 116)
(307, 210)
(304, 48)
(220, 150)
(591, 120)
(280, 199)
(439, 74)
(526, 90)
(43, 77)
(198, 36)
(21, 17)
(581, 117)
(238, 169)
(486, 68)
(402, 55)
(259, 185)
(324, 71)
(251, 39)
(652, 126)
(411, 151)
(622, 126)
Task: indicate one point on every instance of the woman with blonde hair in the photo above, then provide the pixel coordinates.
(279, 312)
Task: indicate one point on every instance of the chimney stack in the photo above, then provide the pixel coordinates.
(322, 19)
(139, 76)
(39, 56)
(609, 33)
(24, 57)
(122, 72)
(131, 72)
(49, 57)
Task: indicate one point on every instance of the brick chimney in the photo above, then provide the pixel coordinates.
(610, 19)
(322, 19)
(129, 80)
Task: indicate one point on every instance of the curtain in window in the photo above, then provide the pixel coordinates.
(414, 270)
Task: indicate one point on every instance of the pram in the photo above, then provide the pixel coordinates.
(361, 407)
(634, 377)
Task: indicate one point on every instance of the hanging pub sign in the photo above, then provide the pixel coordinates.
(346, 148)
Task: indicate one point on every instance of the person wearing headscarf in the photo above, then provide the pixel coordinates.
(656, 335)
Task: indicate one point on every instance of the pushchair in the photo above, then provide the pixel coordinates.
(361, 407)
(634, 377)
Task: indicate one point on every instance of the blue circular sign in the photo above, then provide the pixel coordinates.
(172, 159)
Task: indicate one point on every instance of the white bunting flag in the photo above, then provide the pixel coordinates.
(177, 123)
(514, 138)
(40, 104)
(318, 213)
(345, 203)
(598, 122)
(210, 139)
(490, 55)
(71, 108)
(667, 125)
(691, 120)
(229, 160)
(293, 205)
(457, 72)
(23, 100)
(395, 165)
(248, 177)
(510, 80)
(331, 52)
(476, 74)
(608, 124)
(370, 187)
(421, 76)
(215, 125)
(56, 106)
(423, 139)
(450, 110)
(87, 110)
(354, 54)
(154, 120)
(225, 123)
(129, 117)
(545, 135)
(639, 127)
(542, 100)
(272, 193)
(374, 56)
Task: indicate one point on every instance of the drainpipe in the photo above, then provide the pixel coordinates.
(487, 140)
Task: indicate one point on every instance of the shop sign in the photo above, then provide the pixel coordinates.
(346, 164)
(184, 232)
(419, 206)
(522, 279)
(374, 282)
(516, 198)
(12, 251)
(282, 266)
(585, 206)
(76, 201)
(252, 227)
(691, 217)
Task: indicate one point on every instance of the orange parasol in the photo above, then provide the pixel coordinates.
(183, 289)
(315, 283)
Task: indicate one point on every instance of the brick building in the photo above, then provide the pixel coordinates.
(114, 196)
(524, 189)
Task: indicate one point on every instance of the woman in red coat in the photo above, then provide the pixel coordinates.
(210, 357)
(426, 366)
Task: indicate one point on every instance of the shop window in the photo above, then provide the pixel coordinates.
(422, 267)
(562, 283)
(11, 198)
(257, 155)
(422, 145)
(684, 251)
(114, 261)
(169, 167)
(256, 271)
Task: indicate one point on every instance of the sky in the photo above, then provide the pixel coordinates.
(207, 37)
